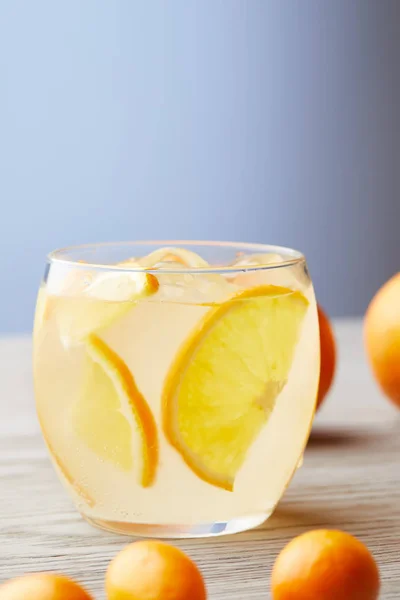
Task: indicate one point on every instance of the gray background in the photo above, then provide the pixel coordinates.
(255, 120)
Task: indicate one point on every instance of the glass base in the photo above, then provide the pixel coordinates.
(181, 531)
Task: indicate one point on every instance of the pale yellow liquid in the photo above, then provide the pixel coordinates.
(147, 338)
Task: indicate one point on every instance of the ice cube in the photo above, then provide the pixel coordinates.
(66, 280)
(292, 276)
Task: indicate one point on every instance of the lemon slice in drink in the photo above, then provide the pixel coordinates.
(185, 257)
(178, 257)
(107, 298)
(172, 264)
(265, 258)
(112, 417)
(225, 380)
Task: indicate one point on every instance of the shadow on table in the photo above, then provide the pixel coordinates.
(287, 516)
(328, 437)
(289, 520)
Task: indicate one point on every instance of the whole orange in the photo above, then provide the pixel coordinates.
(328, 355)
(153, 570)
(42, 586)
(328, 565)
(382, 337)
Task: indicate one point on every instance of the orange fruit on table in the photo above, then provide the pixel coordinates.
(42, 586)
(382, 337)
(153, 570)
(328, 355)
(325, 565)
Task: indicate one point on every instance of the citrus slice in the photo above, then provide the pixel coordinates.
(259, 259)
(107, 298)
(167, 256)
(224, 382)
(112, 417)
(185, 257)
(176, 284)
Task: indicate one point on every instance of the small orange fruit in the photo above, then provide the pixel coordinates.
(382, 337)
(328, 355)
(153, 570)
(42, 586)
(328, 565)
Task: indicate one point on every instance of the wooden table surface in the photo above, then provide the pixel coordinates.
(350, 480)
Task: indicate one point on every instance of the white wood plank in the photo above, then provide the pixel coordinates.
(350, 480)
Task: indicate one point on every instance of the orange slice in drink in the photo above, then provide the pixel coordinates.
(225, 380)
(176, 272)
(185, 257)
(169, 255)
(112, 417)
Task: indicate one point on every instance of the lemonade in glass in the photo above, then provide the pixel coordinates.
(176, 382)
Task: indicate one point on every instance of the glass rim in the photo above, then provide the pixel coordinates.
(289, 256)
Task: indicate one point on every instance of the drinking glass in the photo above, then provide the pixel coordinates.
(176, 382)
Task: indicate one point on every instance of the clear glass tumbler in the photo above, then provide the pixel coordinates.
(176, 382)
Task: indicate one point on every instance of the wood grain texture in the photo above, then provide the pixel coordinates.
(350, 480)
